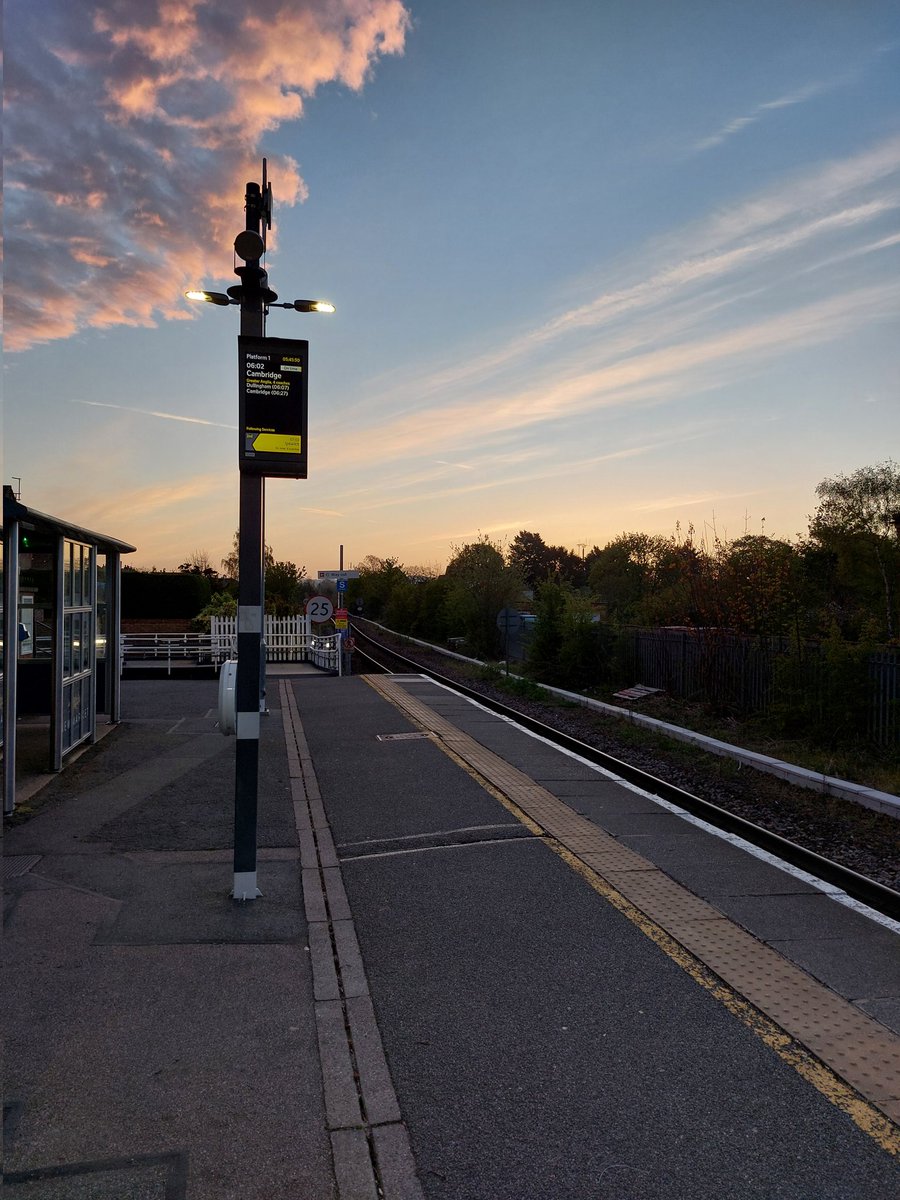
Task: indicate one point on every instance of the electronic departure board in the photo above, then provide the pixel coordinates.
(273, 406)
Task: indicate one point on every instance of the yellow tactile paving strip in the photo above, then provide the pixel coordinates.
(851, 1058)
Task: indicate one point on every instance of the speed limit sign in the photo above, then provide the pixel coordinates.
(319, 608)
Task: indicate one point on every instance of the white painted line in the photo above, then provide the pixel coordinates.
(532, 837)
(412, 837)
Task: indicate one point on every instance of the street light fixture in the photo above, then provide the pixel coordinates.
(303, 306)
(210, 297)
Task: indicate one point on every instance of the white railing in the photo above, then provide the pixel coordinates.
(171, 649)
(287, 639)
(324, 651)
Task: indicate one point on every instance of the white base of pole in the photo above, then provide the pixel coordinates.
(245, 886)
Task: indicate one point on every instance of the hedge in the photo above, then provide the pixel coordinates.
(163, 594)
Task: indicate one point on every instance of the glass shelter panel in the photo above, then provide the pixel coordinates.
(78, 644)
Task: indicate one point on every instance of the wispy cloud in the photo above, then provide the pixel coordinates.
(130, 130)
(711, 304)
(121, 508)
(657, 375)
(789, 100)
(746, 236)
(688, 500)
(149, 412)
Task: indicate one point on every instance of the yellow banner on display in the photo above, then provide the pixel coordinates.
(341, 623)
(277, 443)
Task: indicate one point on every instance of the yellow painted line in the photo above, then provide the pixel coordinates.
(862, 1112)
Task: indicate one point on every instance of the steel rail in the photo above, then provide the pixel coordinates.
(876, 895)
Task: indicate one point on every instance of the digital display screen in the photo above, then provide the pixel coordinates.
(273, 406)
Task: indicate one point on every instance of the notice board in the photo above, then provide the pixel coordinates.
(273, 406)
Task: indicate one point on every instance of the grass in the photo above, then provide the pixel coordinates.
(872, 766)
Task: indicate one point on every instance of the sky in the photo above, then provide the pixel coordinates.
(599, 265)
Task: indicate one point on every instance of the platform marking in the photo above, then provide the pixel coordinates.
(865, 1114)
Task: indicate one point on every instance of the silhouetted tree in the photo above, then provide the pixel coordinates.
(481, 584)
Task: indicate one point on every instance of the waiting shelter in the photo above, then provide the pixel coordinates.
(61, 651)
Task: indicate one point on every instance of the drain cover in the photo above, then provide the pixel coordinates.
(18, 864)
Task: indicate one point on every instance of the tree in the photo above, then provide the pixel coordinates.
(480, 586)
(199, 564)
(632, 571)
(286, 588)
(537, 561)
(761, 585)
(868, 501)
(529, 552)
(377, 579)
(547, 639)
(231, 562)
(858, 520)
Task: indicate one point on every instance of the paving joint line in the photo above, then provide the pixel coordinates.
(387, 1167)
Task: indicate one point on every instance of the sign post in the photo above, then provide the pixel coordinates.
(509, 620)
(251, 576)
(271, 441)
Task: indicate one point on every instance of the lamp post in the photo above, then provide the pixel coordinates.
(284, 455)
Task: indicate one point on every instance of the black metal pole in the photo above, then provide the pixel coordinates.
(251, 566)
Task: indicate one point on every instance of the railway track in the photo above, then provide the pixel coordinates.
(373, 655)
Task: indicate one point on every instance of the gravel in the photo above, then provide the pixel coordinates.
(866, 841)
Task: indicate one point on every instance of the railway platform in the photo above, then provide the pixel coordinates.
(481, 969)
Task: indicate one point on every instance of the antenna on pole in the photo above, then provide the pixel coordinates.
(266, 202)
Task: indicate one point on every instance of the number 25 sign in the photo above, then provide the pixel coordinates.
(319, 608)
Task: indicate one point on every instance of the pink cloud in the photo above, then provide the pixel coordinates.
(132, 127)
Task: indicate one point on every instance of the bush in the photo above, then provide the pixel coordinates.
(221, 604)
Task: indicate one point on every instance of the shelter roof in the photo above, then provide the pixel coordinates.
(15, 510)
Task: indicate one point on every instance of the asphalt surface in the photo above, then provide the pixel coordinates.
(541, 1046)
(160, 1039)
(164, 1042)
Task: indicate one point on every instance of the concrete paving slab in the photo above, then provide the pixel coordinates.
(605, 790)
(637, 822)
(714, 881)
(860, 970)
(795, 917)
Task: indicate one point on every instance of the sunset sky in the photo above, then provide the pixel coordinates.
(599, 265)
